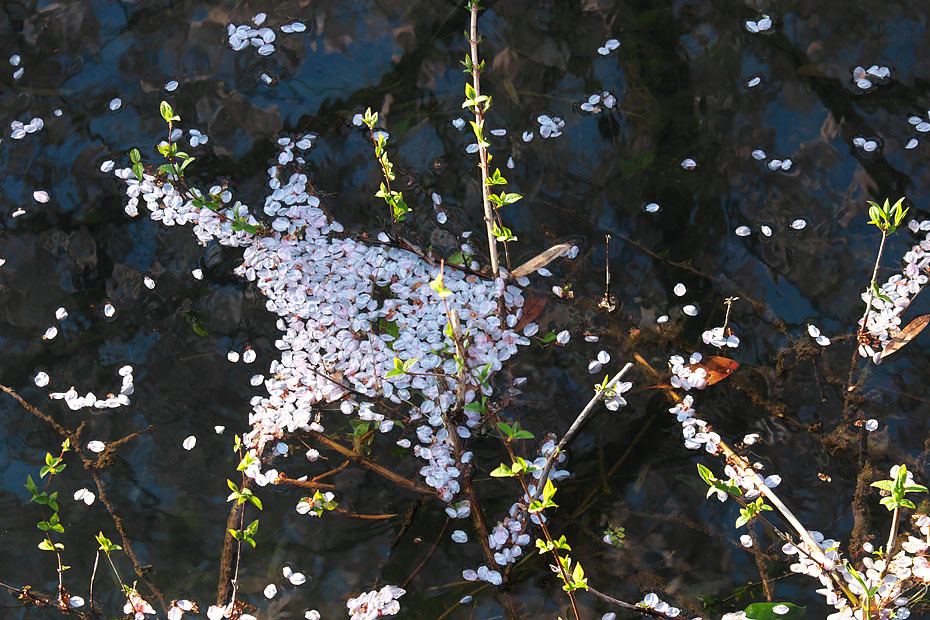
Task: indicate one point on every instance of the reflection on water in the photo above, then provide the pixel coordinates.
(690, 82)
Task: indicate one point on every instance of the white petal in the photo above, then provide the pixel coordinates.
(189, 443)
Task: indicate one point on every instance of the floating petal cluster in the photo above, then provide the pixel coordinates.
(375, 604)
(884, 318)
(865, 79)
(261, 38)
(716, 337)
(76, 401)
(684, 377)
(347, 309)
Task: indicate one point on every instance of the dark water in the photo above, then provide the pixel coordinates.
(680, 79)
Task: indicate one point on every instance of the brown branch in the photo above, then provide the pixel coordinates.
(92, 466)
(370, 465)
(304, 484)
(141, 571)
(355, 515)
(38, 599)
(228, 558)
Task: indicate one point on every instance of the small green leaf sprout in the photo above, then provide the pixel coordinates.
(902, 484)
(395, 200)
(887, 217)
(751, 511)
(401, 367)
(614, 536)
(242, 496)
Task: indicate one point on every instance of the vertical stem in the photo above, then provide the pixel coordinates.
(607, 268)
(482, 151)
(545, 531)
(892, 534)
(868, 304)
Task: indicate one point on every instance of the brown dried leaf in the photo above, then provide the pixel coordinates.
(906, 335)
(541, 260)
(532, 308)
(717, 369)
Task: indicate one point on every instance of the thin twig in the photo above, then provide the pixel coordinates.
(576, 425)
(482, 150)
(371, 465)
(432, 550)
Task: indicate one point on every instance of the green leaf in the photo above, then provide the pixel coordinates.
(254, 499)
(456, 259)
(764, 611)
(705, 474)
(45, 545)
(502, 471)
(134, 156)
(167, 112)
(548, 490)
(137, 171)
(885, 485)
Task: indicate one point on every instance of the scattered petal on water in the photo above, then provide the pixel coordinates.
(233, 356)
(871, 425)
(662, 319)
(563, 337)
(688, 164)
(270, 590)
(219, 429)
(813, 330)
(781, 610)
(603, 357)
(799, 224)
(41, 196)
(15, 60)
(652, 208)
(766, 230)
(50, 333)
(248, 356)
(754, 81)
(459, 536)
(911, 144)
(96, 446)
(758, 155)
(149, 282)
(41, 379)
(680, 289)
(83, 495)
(297, 579)
(115, 104)
(690, 310)
(198, 274)
(109, 310)
(107, 166)
(258, 20)
(189, 443)
(18, 73)
(745, 540)
(743, 231)
(76, 601)
(171, 86)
